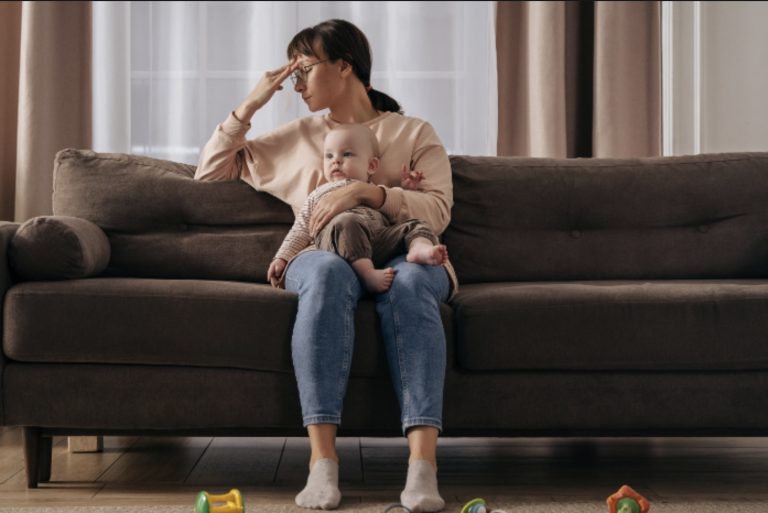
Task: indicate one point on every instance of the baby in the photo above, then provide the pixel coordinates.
(361, 235)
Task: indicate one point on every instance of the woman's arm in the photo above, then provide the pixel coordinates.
(222, 157)
(433, 201)
(271, 81)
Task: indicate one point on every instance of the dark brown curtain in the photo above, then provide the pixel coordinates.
(579, 79)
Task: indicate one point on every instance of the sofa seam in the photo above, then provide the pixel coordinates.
(529, 307)
(632, 164)
(71, 296)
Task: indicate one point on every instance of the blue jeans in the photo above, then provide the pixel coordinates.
(323, 336)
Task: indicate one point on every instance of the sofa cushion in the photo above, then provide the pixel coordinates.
(131, 193)
(58, 248)
(613, 326)
(691, 217)
(225, 253)
(169, 322)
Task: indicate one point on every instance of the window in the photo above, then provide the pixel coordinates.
(190, 63)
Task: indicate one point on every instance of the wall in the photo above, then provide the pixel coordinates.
(715, 77)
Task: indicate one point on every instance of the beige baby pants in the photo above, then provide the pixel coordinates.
(364, 232)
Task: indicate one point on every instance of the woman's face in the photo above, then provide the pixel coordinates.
(321, 85)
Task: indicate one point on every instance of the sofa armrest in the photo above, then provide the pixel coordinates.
(7, 230)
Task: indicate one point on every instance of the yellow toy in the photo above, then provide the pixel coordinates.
(231, 502)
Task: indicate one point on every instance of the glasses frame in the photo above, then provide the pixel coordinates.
(297, 74)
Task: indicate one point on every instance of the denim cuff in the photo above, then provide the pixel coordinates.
(422, 421)
(322, 419)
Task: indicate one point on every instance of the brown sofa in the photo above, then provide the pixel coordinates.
(598, 297)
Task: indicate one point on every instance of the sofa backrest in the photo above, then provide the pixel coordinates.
(162, 223)
(533, 219)
(514, 219)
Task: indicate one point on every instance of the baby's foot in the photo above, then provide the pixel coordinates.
(322, 490)
(427, 254)
(378, 280)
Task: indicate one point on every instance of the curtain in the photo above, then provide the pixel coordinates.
(166, 73)
(46, 81)
(10, 40)
(580, 79)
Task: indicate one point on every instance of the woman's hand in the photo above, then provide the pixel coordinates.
(275, 271)
(334, 203)
(271, 81)
(344, 198)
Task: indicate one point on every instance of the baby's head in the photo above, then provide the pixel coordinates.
(350, 151)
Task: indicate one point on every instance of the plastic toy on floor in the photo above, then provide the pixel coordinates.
(396, 507)
(231, 502)
(479, 506)
(626, 500)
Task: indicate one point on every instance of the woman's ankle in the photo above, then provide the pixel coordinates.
(432, 461)
(315, 458)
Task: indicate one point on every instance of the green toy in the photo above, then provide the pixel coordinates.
(478, 506)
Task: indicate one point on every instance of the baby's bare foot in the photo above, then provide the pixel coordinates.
(378, 280)
(427, 254)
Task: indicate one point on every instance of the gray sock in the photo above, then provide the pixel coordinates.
(420, 494)
(322, 490)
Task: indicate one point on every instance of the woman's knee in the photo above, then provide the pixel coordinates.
(321, 272)
(416, 281)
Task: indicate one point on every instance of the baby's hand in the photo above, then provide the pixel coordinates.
(410, 179)
(275, 271)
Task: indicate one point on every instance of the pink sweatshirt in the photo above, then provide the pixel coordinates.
(288, 164)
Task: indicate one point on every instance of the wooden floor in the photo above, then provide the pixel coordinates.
(271, 470)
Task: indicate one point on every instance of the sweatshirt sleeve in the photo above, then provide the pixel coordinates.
(298, 237)
(285, 162)
(222, 157)
(433, 203)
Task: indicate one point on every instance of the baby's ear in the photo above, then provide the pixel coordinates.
(373, 165)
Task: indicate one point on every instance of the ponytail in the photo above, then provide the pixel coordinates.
(384, 102)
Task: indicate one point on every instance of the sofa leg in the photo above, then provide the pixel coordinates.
(45, 455)
(38, 451)
(32, 455)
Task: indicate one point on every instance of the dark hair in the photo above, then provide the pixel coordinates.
(341, 39)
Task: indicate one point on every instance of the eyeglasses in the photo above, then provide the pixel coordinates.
(301, 73)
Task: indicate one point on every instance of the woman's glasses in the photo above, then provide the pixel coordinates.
(302, 72)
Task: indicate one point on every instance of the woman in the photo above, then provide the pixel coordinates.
(330, 65)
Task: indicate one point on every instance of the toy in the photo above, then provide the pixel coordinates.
(478, 506)
(626, 500)
(397, 507)
(231, 502)
(474, 506)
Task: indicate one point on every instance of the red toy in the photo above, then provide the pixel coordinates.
(626, 500)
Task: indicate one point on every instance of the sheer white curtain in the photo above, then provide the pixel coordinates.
(166, 73)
